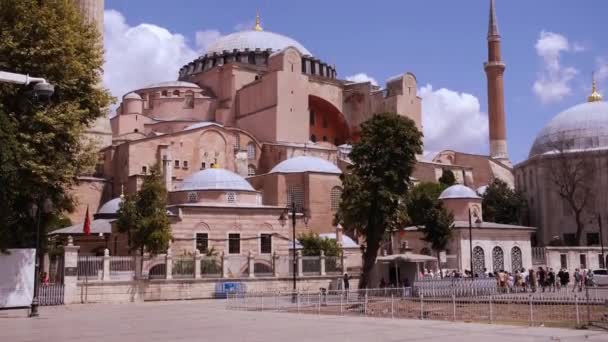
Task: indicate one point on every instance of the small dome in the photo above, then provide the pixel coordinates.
(254, 40)
(482, 190)
(458, 191)
(214, 179)
(110, 207)
(132, 96)
(582, 127)
(176, 84)
(305, 164)
(202, 124)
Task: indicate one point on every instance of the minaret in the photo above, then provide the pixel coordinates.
(92, 11)
(495, 69)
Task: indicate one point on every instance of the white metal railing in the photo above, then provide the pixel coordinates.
(566, 308)
(311, 265)
(50, 294)
(122, 267)
(211, 267)
(90, 267)
(183, 267)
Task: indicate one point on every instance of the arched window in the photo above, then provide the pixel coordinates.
(251, 151)
(231, 197)
(189, 99)
(295, 194)
(516, 260)
(164, 93)
(250, 170)
(335, 197)
(479, 260)
(498, 259)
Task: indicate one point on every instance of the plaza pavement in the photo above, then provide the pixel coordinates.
(210, 321)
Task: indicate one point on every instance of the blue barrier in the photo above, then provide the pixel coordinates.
(223, 288)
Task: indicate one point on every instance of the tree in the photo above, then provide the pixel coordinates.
(447, 178)
(501, 204)
(144, 216)
(376, 185)
(41, 142)
(573, 175)
(313, 244)
(423, 198)
(438, 230)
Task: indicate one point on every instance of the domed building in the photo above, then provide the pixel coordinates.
(570, 151)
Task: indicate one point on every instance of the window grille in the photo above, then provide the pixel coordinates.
(250, 170)
(251, 150)
(516, 259)
(192, 197)
(231, 197)
(479, 262)
(335, 197)
(295, 194)
(498, 259)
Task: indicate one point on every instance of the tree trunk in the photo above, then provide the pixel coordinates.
(579, 228)
(369, 260)
(439, 263)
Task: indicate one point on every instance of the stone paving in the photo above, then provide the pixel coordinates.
(210, 321)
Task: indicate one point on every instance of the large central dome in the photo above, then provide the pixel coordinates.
(582, 127)
(254, 40)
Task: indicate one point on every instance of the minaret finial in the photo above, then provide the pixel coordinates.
(595, 96)
(257, 26)
(493, 26)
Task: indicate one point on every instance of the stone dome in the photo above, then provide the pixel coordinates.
(459, 191)
(305, 164)
(132, 96)
(110, 207)
(214, 179)
(482, 190)
(582, 127)
(254, 40)
(175, 84)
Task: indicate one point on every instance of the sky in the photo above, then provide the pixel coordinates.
(550, 47)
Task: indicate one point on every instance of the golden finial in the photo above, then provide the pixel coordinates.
(595, 96)
(257, 26)
(122, 190)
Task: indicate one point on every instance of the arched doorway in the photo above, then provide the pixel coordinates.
(327, 123)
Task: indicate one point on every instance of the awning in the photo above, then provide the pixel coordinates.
(407, 257)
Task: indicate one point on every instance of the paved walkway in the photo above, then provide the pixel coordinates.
(210, 321)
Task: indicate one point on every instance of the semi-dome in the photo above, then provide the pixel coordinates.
(132, 96)
(482, 190)
(174, 84)
(305, 164)
(579, 128)
(110, 207)
(458, 191)
(254, 40)
(214, 179)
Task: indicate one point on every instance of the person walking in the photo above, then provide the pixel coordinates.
(577, 281)
(551, 280)
(533, 283)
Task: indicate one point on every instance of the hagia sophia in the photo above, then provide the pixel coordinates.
(259, 121)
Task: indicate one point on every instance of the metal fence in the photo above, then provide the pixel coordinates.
(263, 266)
(51, 294)
(558, 309)
(90, 267)
(122, 267)
(333, 265)
(459, 287)
(211, 267)
(183, 267)
(311, 265)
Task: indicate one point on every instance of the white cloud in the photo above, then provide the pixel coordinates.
(361, 77)
(601, 73)
(246, 25)
(553, 82)
(144, 54)
(453, 120)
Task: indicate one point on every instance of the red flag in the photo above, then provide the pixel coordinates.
(86, 228)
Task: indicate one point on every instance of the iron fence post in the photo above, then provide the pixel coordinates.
(490, 301)
(298, 300)
(392, 306)
(319, 305)
(341, 299)
(453, 307)
(578, 317)
(421, 306)
(531, 312)
(365, 304)
(588, 306)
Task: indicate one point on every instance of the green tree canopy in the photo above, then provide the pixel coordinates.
(41, 145)
(438, 229)
(423, 198)
(376, 185)
(501, 204)
(313, 244)
(447, 178)
(144, 216)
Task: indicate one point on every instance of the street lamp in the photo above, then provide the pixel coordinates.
(37, 210)
(283, 221)
(41, 88)
(477, 225)
(599, 223)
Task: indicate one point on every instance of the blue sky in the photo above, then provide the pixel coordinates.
(442, 42)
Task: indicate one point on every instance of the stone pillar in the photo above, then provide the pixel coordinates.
(197, 263)
(251, 262)
(106, 265)
(169, 264)
(275, 266)
(138, 267)
(322, 261)
(300, 268)
(70, 272)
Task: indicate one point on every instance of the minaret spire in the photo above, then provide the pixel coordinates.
(495, 69)
(257, 26)
(595, 96)
(493, 26)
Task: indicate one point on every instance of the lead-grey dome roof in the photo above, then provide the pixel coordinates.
(254, 40)
(582, 127)
(459, 191)
(214, 179)
(110, 207)
(305, 164)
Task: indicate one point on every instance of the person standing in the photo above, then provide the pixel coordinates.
(577, 281)
(551, 280)
(542, 278)
(533, 283)
(346, 283)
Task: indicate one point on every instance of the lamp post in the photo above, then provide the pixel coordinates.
(477, 225)
(599, 223)
(283, 220)
(38, 209)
